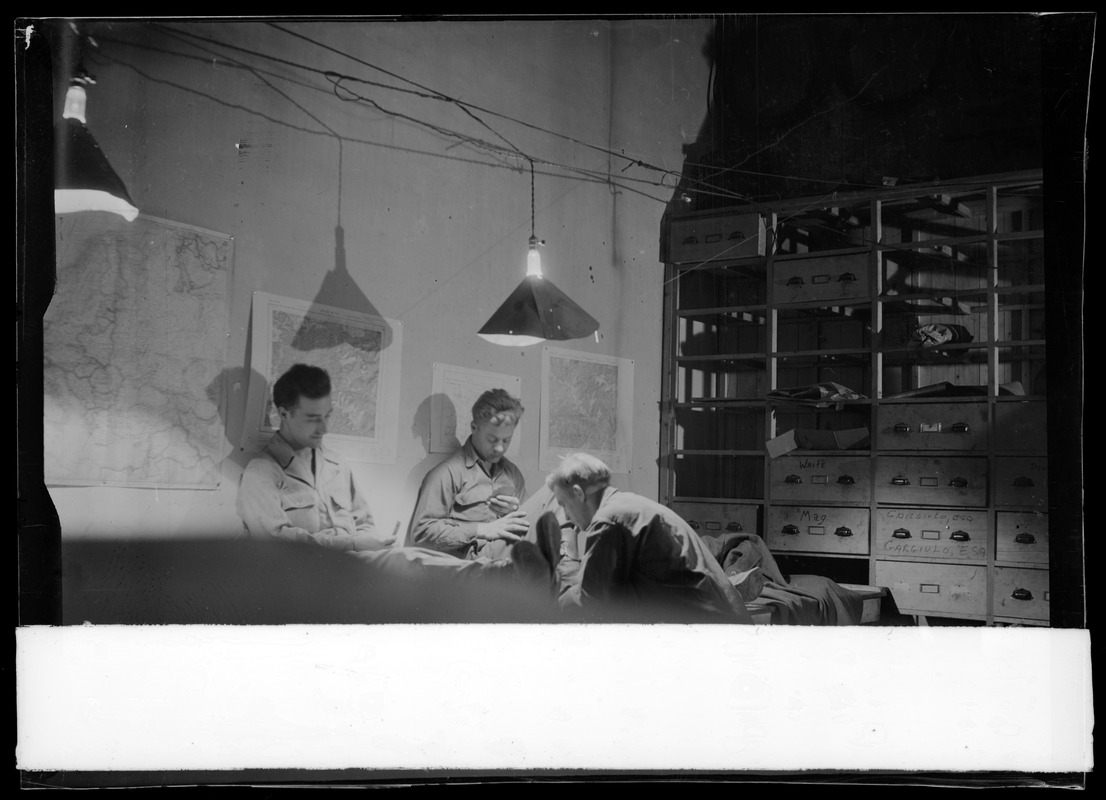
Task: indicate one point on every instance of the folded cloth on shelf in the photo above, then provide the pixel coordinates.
(819, 395)
(814, 600)
(738, 552)
(802, 600)
(948, 389)
(749, 584)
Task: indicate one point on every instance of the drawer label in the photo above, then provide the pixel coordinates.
(921, 514)
(907, 547)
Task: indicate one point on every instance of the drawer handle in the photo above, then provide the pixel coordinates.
(846, 480)
(843, 531)
(693, 524)
(847, 277)
(958, 483)
(796, 281)
(961, 427)
(900, 533)
(1025, 538)
(1022, 594)
(790, 530)
(690, 240)
(792, 479)
(960, 536)
(1023, 482)
(901, 427)
(734, 527)
(900, 480)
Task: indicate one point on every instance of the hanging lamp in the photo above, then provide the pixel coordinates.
(536, 310)
(83, 178)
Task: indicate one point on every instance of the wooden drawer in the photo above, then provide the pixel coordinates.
(1021, 481)
(821, 479)
(1021, 593)
(841, 277)
(1021, 537)
(935, 588)
(932, 426)
(817, 529)
(719, 238)
(931, 480)
(1021, 426)
(931, 534)
(713, 518)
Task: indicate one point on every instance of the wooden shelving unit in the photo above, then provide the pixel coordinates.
(924, 307)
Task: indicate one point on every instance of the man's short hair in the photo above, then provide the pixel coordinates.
(579, 469)
(496, 405)
(301, 380)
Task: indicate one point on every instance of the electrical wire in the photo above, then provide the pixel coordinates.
(682, 180)
(469, 108)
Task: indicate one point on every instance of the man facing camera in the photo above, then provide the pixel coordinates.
(468, 504)
(631, 559)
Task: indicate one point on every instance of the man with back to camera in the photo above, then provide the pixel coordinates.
(468, 505)
(299, 491)
(632, 558)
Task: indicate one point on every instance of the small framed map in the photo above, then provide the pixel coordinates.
(360, 352)
(586, 406)
(456, 389)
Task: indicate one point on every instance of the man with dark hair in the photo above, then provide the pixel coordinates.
(468, 505)
(299, 491)
(630, 558)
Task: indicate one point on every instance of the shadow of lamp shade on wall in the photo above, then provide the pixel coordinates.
(536, 310)
(83, 178)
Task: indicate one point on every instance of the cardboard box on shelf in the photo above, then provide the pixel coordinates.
(807, 439)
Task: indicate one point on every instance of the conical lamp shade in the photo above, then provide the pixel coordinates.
(536, 311)
(83, 178)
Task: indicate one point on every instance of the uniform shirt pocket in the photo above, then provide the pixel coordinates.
(298, 503)
(471, 503)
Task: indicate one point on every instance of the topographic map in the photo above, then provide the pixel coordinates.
(361, 353)
(587, 405)
(134, 348)
(583, 404)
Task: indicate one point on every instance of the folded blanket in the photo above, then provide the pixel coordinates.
(802, 600)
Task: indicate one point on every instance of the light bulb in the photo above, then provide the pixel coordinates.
(76, 98)
(533, 258)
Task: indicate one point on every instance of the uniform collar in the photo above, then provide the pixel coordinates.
(469, 453)
(283, 453)
(608, 493)
(472, 458)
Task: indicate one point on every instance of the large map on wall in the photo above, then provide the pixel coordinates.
(361, 352)
(586, 406)
(134, 348)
